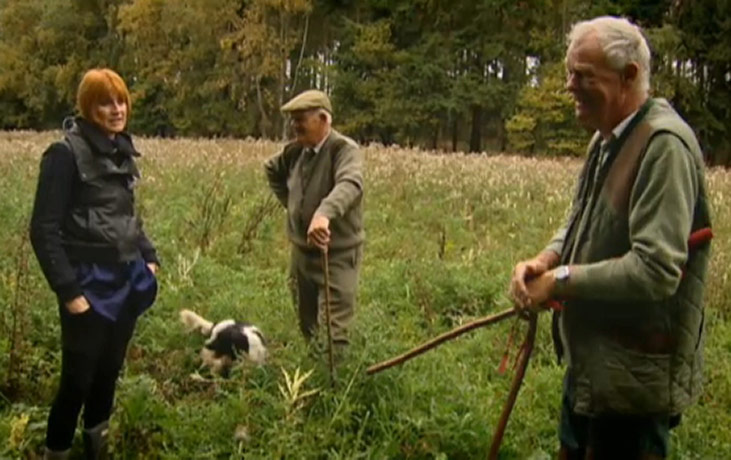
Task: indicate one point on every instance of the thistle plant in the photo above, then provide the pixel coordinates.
(293, 391)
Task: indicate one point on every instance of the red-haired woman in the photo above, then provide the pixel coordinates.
(92, 249)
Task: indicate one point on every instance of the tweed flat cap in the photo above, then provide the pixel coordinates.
(310, 99)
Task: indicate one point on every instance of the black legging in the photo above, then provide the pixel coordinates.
(93, 352)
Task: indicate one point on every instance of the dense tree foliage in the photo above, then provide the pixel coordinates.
(453, 75)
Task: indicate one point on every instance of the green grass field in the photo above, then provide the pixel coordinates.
(443, 233)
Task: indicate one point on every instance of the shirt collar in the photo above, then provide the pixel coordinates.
(617, 131)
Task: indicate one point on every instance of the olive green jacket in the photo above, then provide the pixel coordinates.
(329, 182)
(632, 329)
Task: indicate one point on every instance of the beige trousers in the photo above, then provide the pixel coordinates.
(307, 281)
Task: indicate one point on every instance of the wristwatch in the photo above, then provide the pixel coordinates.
(562, 274)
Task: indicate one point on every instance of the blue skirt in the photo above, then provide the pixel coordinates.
(111, 287)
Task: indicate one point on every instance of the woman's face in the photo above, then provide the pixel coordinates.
(111, 115)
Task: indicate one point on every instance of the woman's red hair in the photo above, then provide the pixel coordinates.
(99, 86)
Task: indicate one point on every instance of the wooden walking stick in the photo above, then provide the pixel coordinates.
(330, 354)
(524, 356)
(522, 364)
(454, 333)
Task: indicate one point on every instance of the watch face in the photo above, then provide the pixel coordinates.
(562, 273)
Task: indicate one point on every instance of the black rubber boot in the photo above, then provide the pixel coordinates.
(49, 454)
(95, 442)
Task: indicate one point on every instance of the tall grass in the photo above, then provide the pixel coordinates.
(443, 232)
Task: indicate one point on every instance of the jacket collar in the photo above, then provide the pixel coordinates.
(102, 144)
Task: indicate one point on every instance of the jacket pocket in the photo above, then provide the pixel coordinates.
(629, 382)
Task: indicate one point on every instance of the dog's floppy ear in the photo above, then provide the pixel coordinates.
(258, 333)
(257, 345)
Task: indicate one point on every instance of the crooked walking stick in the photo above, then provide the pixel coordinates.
(454, 333)
(330, 355)
(522, 363)
(523, 357)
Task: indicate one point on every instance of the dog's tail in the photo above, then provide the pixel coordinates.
(196, 322)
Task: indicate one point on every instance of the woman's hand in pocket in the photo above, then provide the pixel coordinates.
(78, 305)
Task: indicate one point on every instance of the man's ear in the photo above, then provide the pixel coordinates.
(631, 73)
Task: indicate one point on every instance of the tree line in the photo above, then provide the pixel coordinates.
(446, 74)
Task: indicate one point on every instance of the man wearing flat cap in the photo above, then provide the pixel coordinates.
(318, 177)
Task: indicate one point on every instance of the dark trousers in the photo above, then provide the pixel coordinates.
(93, 352)
(612, 436)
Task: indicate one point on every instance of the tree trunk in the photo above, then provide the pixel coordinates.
(476, 132)
(282, 74)
(293, 86)
(455, 131)
(263, 120)
(435, 137)
(502, 138)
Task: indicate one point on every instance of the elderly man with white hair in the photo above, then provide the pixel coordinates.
(631, 284)
(318, 177)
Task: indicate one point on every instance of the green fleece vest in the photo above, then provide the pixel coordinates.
(634, 357)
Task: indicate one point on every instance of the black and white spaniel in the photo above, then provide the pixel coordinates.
(226, 340)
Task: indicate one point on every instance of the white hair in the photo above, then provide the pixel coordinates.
(622, 42)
